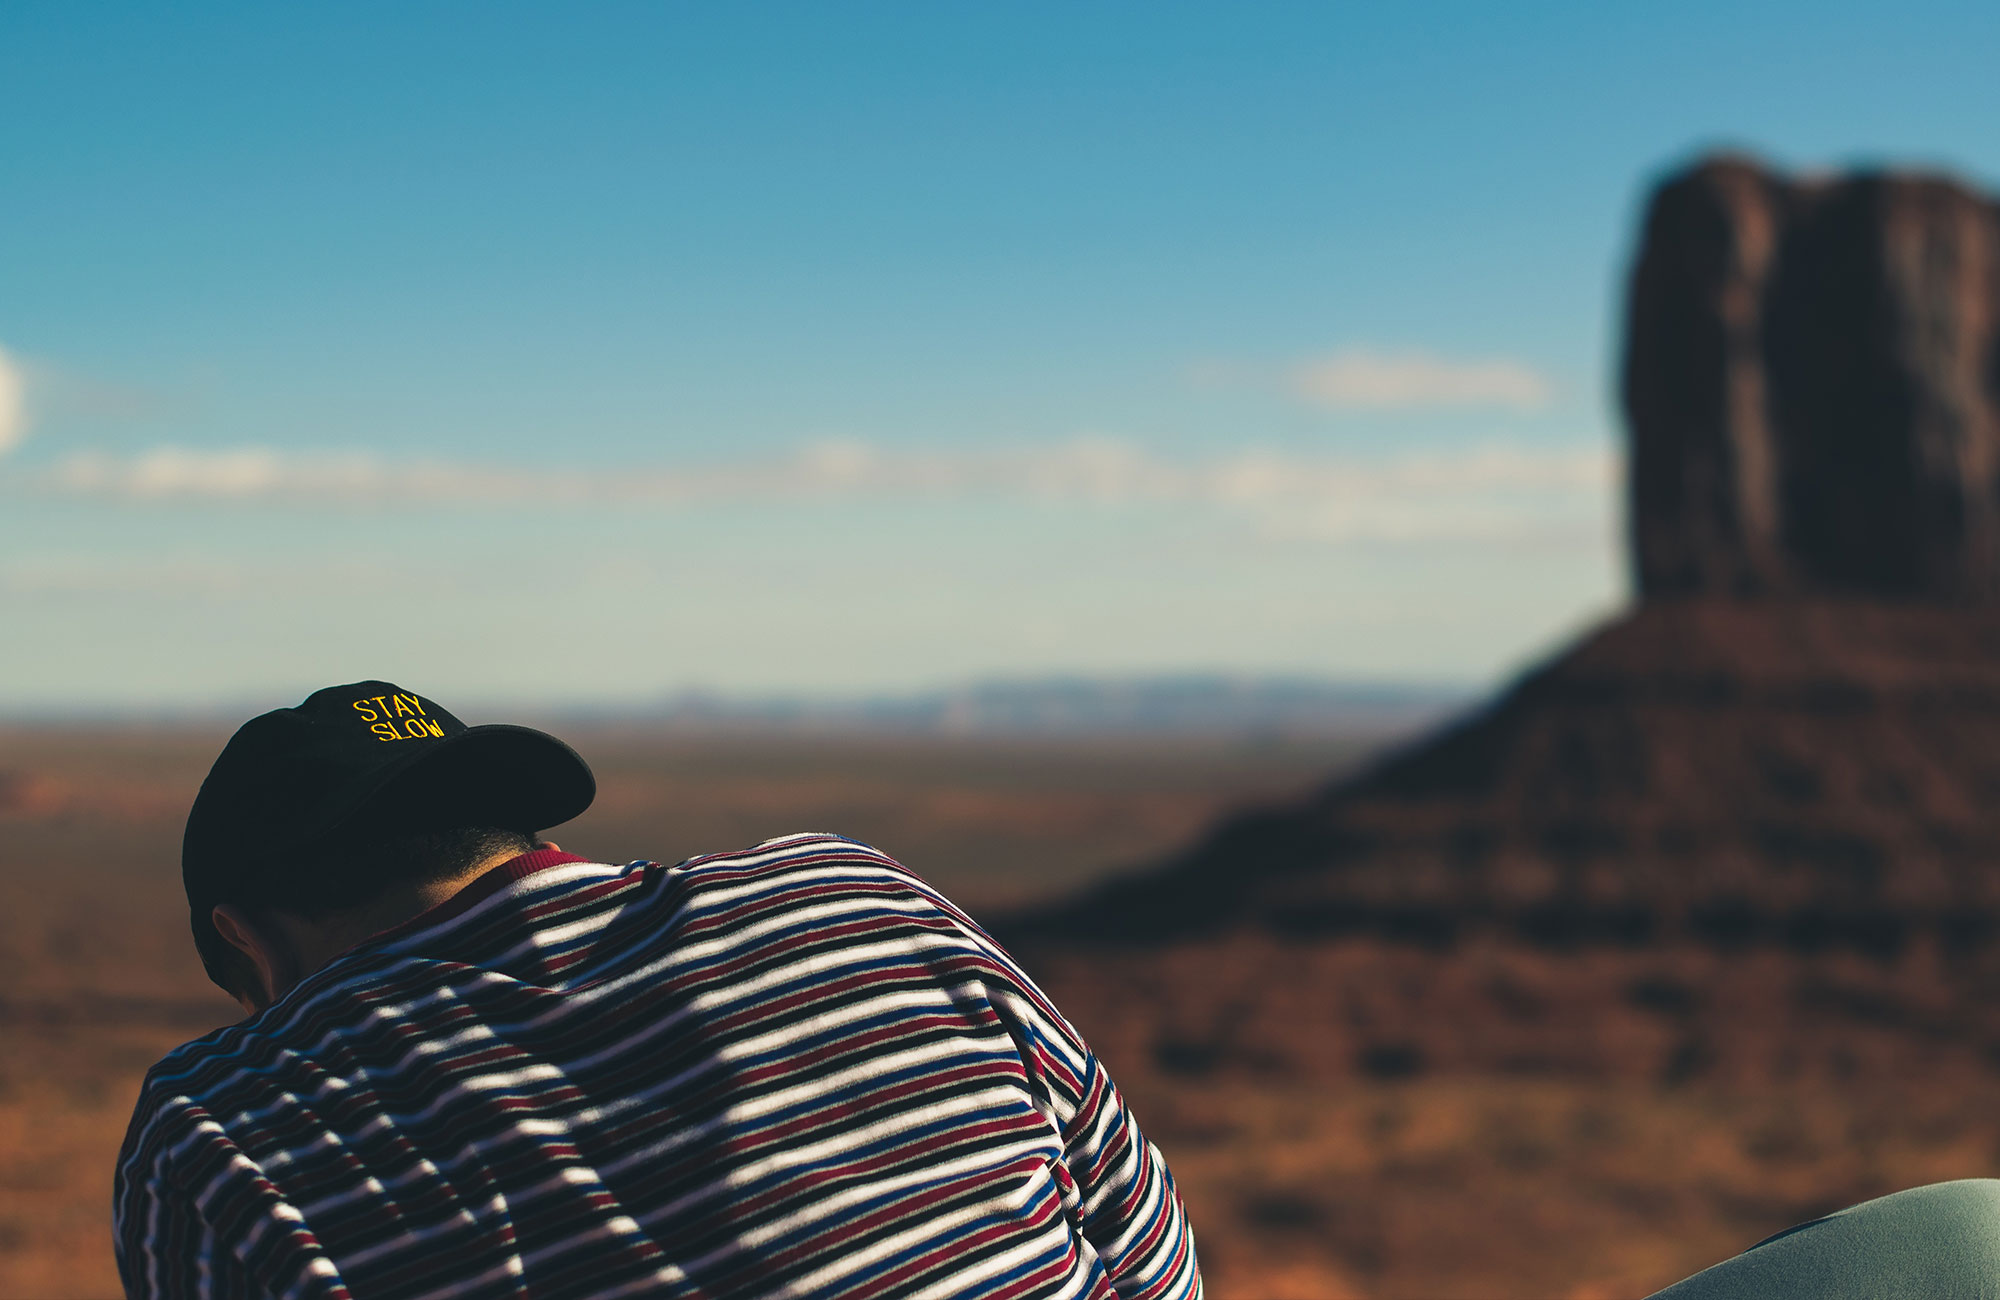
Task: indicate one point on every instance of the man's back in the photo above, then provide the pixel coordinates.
(794, 1070)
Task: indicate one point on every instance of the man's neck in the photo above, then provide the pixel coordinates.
(317, 942)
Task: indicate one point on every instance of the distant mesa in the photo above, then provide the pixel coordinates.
(1812, 383)
(1794, 740)
(1266, 707)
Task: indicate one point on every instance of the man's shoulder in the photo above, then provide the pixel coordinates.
(800, 849)
(801, 865)
(177, 1098)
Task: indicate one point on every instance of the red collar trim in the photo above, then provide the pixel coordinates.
(529, 863)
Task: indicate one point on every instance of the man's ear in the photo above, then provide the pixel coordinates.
(264, 946)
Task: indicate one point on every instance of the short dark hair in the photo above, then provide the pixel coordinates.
(346, 871)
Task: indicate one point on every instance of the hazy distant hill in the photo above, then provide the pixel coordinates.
(1051, 707)
(1082, 705)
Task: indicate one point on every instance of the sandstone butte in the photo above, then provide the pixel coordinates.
(1792, 742)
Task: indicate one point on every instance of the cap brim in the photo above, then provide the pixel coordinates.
(499, 775)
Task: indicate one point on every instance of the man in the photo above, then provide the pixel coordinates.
(478, 1066)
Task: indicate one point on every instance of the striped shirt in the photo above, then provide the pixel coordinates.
(792, 1071)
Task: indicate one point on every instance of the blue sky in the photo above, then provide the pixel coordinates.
(590, 352)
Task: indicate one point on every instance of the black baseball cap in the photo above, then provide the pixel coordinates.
(354, 759)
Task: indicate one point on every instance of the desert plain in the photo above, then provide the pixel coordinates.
(1367, 1117)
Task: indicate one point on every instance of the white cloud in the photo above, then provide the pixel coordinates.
(1494, 493)
(246, 473)
(13, 403)
(1367, 380)
(169, 578)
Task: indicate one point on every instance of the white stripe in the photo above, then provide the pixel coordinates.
(794, 1157)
